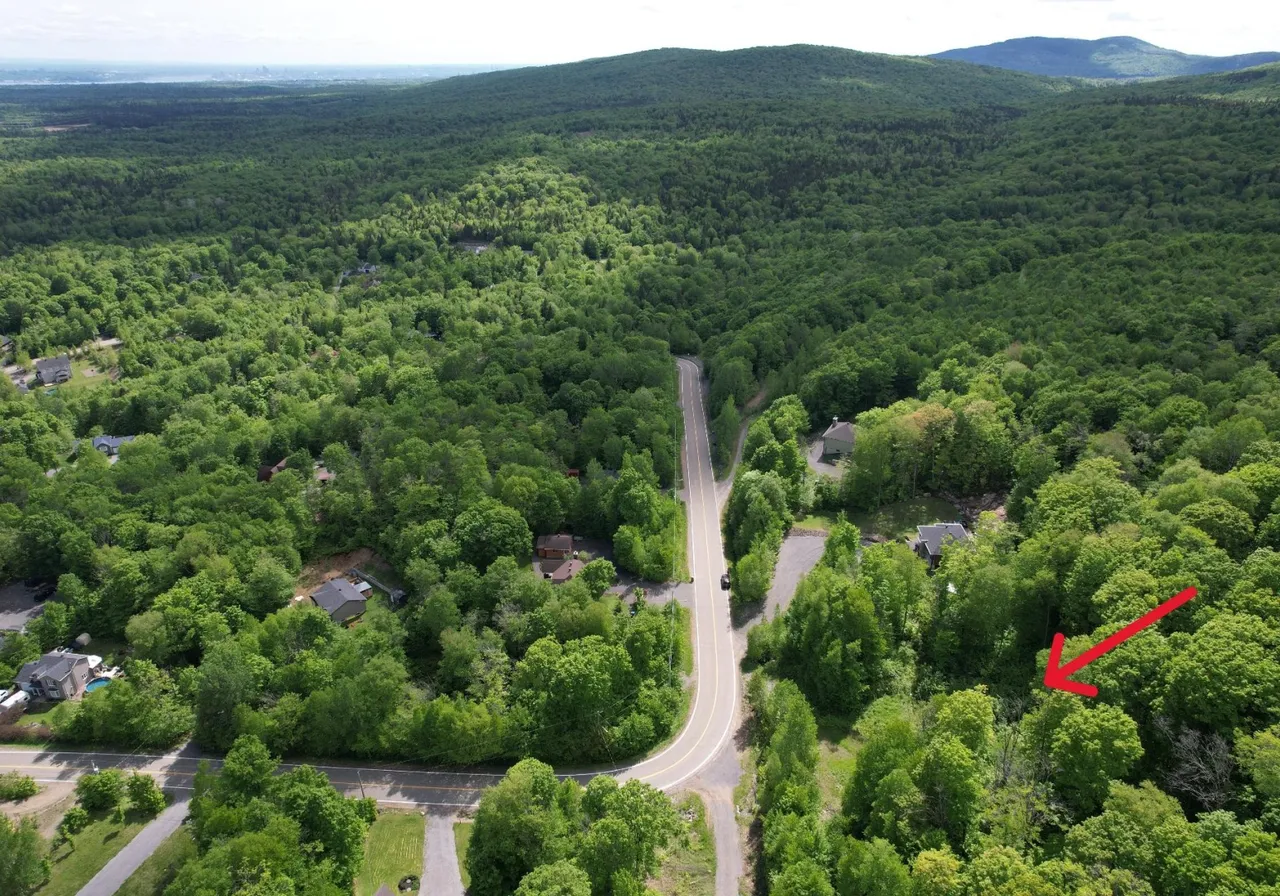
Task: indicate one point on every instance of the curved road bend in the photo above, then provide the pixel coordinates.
(707, 729)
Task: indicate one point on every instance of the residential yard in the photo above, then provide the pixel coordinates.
(93, 848)
(892, 521)
(689, 868)
(837, 755)
(84, 375)
(461, 840)
(160, 868)
(393, 849)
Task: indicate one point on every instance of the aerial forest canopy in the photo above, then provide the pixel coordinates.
(451, 310)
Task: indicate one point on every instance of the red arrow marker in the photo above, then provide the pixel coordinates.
(1059, 676)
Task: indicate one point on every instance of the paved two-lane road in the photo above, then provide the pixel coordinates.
(706, 732)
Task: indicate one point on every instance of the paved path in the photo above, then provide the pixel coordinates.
(135, 852)
(440, 874)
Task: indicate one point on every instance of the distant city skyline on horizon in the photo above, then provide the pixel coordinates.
(384, 33)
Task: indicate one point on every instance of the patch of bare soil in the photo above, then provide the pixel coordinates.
(47, 807)
(971, 507)
(317, 572)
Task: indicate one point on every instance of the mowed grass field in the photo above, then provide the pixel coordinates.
(94, 847)
(393, 849)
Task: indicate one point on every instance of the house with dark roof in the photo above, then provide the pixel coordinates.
(51, 371)
(266, 471)
(554, 547)
(110, 445)
(837, 441)
(59, 675)
(563, 571)
(930, 540)
(340, 599)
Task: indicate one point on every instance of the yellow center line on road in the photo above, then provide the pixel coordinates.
(695, 463)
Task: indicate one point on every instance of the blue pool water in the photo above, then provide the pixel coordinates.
(97, 683)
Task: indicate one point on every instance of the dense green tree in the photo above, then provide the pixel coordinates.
(23, 866)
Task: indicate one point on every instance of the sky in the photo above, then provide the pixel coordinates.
(419, 32)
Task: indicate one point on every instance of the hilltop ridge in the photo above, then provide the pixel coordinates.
(1113, 58)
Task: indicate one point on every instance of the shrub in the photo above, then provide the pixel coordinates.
(15, 786)
(103, 790)
(144, 794)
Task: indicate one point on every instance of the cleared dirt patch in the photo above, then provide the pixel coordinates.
(317, 572)
(47, 807)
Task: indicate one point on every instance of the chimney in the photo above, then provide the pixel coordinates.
(835, 419)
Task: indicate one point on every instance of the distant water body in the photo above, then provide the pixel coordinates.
(36, 74)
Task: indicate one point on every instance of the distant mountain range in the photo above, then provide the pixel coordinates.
(1110, 57)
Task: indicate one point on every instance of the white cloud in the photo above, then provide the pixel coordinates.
(450, 31)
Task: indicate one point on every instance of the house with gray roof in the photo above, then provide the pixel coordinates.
(59, 675)
(340, 599)
(51, 371)
(930, 540)
(110, 445)
(837, 441)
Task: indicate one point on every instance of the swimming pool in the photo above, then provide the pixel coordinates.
(97, 683)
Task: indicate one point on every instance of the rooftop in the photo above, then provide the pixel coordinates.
(935, 535)
(333, 594)
(110, 443)
(57, 665)
(50, 365)
(839, 429)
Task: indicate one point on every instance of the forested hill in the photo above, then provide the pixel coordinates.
(669, 77)
(1108, 58)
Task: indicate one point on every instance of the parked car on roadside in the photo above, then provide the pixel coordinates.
(724, 582)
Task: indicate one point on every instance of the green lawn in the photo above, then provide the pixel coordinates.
(892, 521)
(689, 867)
(392, 850)
(93, 848)
(80, 381)
(160, 868)
(837, 755)
(461, 840)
